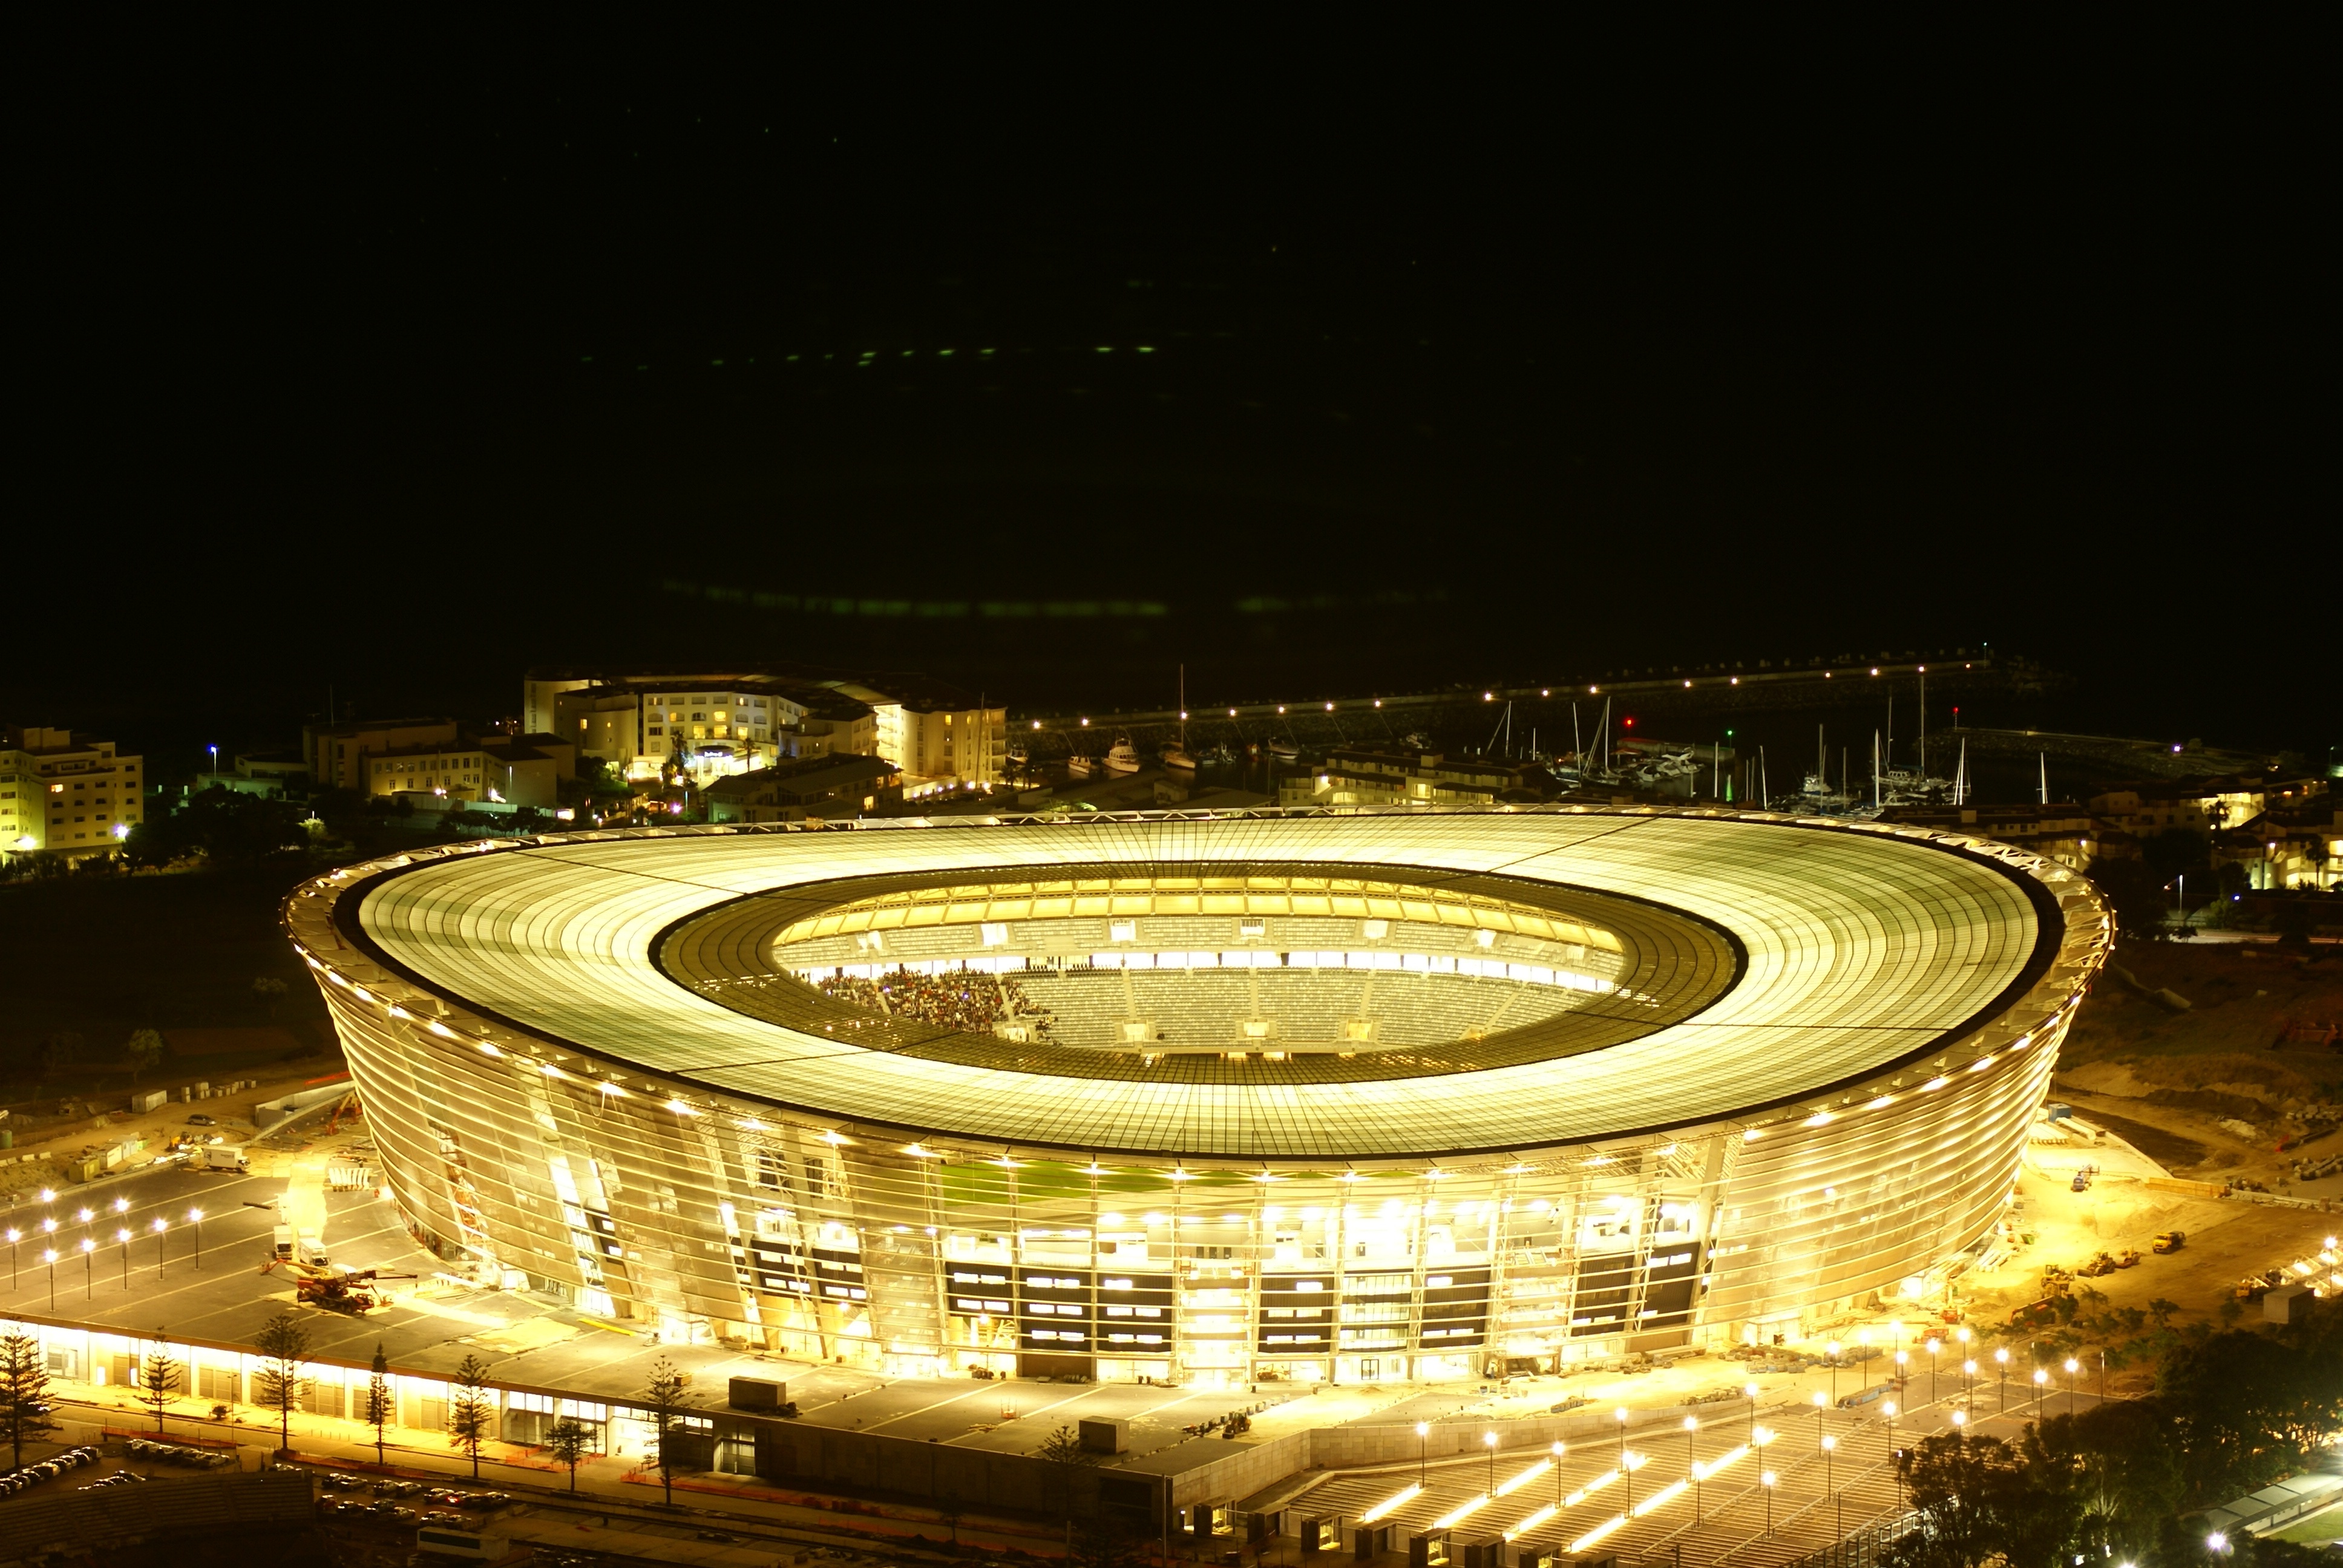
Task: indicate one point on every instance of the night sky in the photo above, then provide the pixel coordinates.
(397, 375)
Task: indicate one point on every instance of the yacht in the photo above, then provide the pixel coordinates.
(1175, 756)
(1123, 756)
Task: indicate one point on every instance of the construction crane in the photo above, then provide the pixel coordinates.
(339, 1290)
(349, 1107)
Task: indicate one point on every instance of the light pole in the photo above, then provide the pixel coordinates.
(195, 1217)
(1626, 1476)
(2073, 1366)
(14, 1236)
(1422, 1452)
(1692, 1463)
(1833, 1348)
(1766, 1481)
(2041, 1381)
(1489, 1441)
(49, 1256)
(2001, 1359)
(1749, 1390)
(1888, 1407)
(1559, 1450)
(160, 1226)
(1968, 1383)
(1902, 1376)
(88, 1274)
(1934, 1346)
(1830, 1451)
(122, 1234)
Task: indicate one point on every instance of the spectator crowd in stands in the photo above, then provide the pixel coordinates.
(962, 1000)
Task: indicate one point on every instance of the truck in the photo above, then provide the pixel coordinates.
(304, 1247)
(216, 1158)
(2082, 1178)
(2169, 1241)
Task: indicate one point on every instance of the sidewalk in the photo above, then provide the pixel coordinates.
(608, 1488)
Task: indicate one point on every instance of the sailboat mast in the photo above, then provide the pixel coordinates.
(2046, 777)
(1923, 723)
(1764, 795)
(1874, 770)
(1577, 745)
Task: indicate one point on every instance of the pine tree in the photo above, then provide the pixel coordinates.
(376, 1407)
(665, 1397)
(23, 1391)
(568, 1441)
(471, 1414)
(284, 1345)
(160, 1376)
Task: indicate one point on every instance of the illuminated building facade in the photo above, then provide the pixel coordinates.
(63, 793)
(1350, 1097)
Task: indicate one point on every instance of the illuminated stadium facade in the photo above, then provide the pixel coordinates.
(1352, 1098)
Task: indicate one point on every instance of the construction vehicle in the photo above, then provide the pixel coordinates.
(2099, 1265)
(2056, 1281)
(340, 1289)
(348, 1107)
(2082, 1178)
(2252, 1288)
(2128, 1258)
(2035, 1314)
(2169, 1241)
(331, 1286)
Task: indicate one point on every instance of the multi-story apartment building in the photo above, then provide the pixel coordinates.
(526, 770)
(65, 793)
(739, 721)
(2061, 831)
(942, 736)
(833, 786)
(340, 756)
(1363, 777)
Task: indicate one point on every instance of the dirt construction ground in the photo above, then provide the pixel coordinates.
(2222, 1090)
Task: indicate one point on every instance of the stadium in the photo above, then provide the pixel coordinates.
(1354, 1098)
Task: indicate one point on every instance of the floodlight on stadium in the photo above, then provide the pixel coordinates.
(1328, 1096)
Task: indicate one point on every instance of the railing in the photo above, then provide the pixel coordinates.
(1861, 1547)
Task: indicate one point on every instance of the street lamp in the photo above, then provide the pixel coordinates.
(2001, 1359)
(14, 1236)
(88, 1275)
(160, 1226)
(1422, 1452)
(1626, 1476)
(1830, 1451)
(1833, 1348)
(2073, 1366)
(1934, 1346)
(122, 1234)
(1750, 1390)
(1766, 1481)
(195, 1217)
(1887, 1408)
(1968, 1383)
(49, 1256)
(2041, 1378)
(1489, 1441)
(1692, 1463)
(1560, 1449)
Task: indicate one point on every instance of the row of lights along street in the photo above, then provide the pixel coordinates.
(122, 1235)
